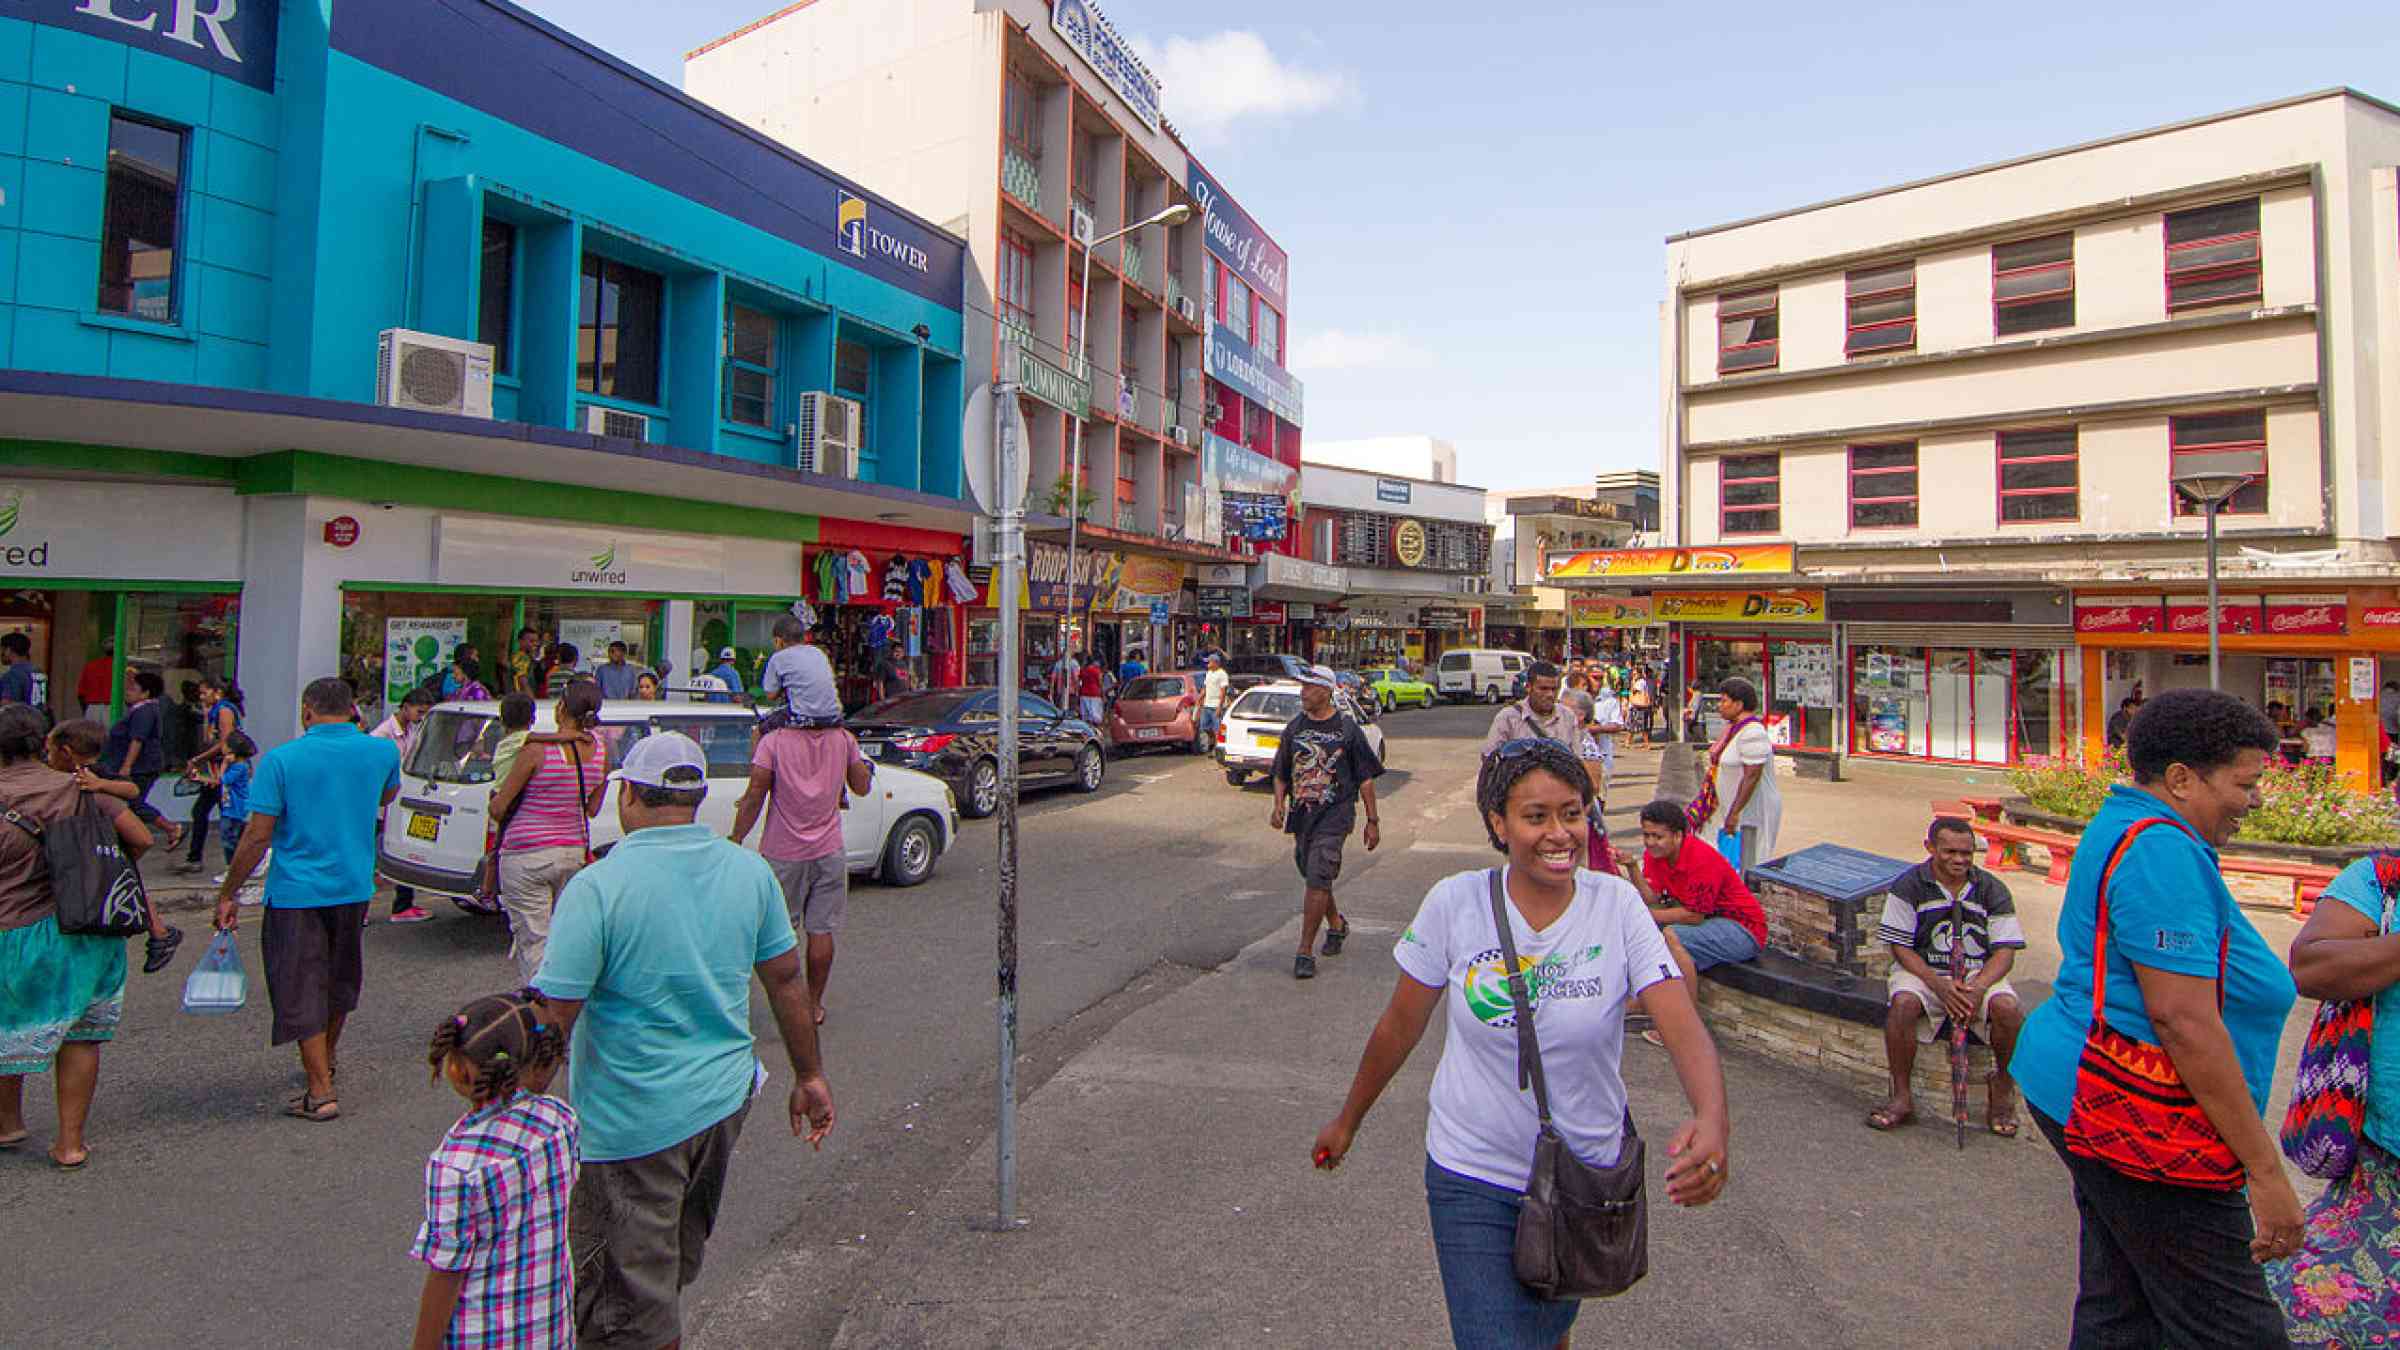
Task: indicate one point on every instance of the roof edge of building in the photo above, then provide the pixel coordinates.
(2186, 124)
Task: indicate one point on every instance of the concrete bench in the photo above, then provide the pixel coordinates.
(2003, 847)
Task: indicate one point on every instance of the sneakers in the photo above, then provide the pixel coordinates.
(1304, 967)
(1334, 938)
(412, 914)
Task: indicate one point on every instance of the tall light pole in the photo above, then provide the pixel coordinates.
(2210, 487)
(1173, 215)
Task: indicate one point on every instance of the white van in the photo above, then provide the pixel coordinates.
(1486, 673)
(433, 835)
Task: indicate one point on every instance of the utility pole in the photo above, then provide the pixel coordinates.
(1008, 580)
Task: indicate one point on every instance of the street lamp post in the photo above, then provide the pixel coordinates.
(1173, 215)
(2210, 488)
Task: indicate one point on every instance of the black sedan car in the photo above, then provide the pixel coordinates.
(954, 734)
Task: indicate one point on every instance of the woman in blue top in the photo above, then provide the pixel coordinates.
(2164, 1264)
(2343, 1288)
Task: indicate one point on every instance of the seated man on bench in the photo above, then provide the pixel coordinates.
(1942, 901)
(1709, 917)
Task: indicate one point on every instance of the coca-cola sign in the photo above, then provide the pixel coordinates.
(2189, 614)
(2118, 614)
(2308, 615)
(2379, 616)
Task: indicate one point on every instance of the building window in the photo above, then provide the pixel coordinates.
(617, 341)
(854, 378)
(1016, 280)
(1129, 328)
(2038, 476)
(1883, 486)
(141, 226)
(750, 366)
(1079, 346)
(1021, 116)
(2227, 442)
(2212, 255)
(1270, 333)
(2033, 284)
(1883, 310)
(1748, 328)
(1237, 306)
(497, 288)
(1750, 495)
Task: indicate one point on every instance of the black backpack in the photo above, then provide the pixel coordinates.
(97, 888)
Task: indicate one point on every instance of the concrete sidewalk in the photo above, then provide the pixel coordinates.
(1165, 1172)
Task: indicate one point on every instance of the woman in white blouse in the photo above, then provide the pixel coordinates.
(1587, 947)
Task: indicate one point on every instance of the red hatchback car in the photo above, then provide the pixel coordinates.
(1158, 711)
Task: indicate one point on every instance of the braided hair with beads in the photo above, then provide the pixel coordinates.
(502, 1037)
(1510, 763)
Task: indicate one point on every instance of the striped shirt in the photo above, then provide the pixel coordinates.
(550, 809)
(496, 1209)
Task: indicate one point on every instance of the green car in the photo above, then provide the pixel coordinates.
(1391, 688)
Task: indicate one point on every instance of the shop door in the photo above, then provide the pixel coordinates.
(1951, 727)
(1992, 691)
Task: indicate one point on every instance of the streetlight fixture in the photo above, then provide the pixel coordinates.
(1173, 215)
(2210, 486)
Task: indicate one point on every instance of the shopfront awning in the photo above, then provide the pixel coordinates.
(65, 411)
(1276, 577)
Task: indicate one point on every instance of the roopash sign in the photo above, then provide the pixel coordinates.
(1237, 241)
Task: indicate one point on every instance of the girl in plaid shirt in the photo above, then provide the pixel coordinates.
(494, 1240)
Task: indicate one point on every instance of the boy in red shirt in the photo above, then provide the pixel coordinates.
(1702, 906)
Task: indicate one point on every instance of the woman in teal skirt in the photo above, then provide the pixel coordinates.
(60, 995)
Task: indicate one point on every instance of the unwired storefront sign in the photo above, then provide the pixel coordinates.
(485, 551)
(54, 530)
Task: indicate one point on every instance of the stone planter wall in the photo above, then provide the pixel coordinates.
(1825, 932)
(1851, 1052)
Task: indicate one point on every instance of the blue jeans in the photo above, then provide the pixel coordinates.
(1205, 721)
(1475, 1242)
(1715, 942)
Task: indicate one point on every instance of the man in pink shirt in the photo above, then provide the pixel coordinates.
(802, 777)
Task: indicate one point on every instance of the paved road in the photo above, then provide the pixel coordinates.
(205, 1218)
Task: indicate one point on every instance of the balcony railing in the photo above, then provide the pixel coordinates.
(1129, 518)
(1133, 265)
(1104, 389)
(1021, 177)
(1174, 290)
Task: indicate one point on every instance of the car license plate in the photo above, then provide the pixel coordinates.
(1149, 733)
(423, 826)
(1268, 742)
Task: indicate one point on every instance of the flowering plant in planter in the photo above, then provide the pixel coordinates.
(2306, 804)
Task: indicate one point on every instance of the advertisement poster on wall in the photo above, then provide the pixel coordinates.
(416, 649)
(590, 639)
(1247, 479)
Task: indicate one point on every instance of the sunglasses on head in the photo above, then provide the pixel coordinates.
(1521, 745)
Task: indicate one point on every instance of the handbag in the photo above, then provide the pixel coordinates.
(2131, 1109)
(1583, 1231)
(96, 888)
(2328, 1114)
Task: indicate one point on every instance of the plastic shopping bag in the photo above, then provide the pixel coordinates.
(217, 984)
(1729, 843)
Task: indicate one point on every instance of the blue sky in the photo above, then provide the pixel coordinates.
(1476, 198)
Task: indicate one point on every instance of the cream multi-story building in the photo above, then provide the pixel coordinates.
(1921, 442)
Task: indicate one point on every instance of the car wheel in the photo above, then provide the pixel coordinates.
(1089, 766)
(982, 796)
(909, 855)
(1236, 777)
(1390, 702)
(1199, 745)
(1491, 693)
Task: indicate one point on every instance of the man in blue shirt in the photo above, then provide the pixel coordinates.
(727, 674)
(16, 668)
(314, 800)
(648, 972)
(617, 675)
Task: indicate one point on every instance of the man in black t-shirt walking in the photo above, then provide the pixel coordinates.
(1323, 768)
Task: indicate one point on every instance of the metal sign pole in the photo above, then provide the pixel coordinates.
(1007, 584)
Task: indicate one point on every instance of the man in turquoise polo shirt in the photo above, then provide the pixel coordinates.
(648, 971)
(314, 800)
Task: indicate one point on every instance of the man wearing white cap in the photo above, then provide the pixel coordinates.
(1324, 768)
(727, 674)
(648, 973)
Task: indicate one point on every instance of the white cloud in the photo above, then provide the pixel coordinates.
(1214, 81)
(1327, 349)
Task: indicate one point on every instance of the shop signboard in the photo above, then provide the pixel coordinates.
(222, 37)
(2188, 614)
(1394, 490)
(1228, 232)
(1300, 611)
(1224, 602)
(1079, 24)
(1234, 362)
(1609, 611)
(1097, 572)
(1443, 616)
(523, 555)
(1739, 606)
(1269, 612)
(2308, 615)
(1228, 468)
(414, 650)
(1667, 562)
(1145, 583)
(2120, 613)
(1408, 543)
(50, 528)
(1160, 613)
(2373, 617)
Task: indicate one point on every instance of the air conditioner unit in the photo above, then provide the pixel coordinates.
(624, 426)
(1189, 311)
(829, 434)
(1179, 433)
(1079, 222)
(423, 372)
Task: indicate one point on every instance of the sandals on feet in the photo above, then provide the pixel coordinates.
(76, 1166)
(1334, 938)
(319, 1109)
(1885, 1118)
(158, 951)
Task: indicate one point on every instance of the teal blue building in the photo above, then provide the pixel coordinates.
(330, 323)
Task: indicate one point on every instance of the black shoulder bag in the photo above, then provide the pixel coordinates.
(1584, 1231)
(97, 889)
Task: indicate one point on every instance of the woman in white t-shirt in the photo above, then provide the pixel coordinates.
(1753, 803)
(1589, 947)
